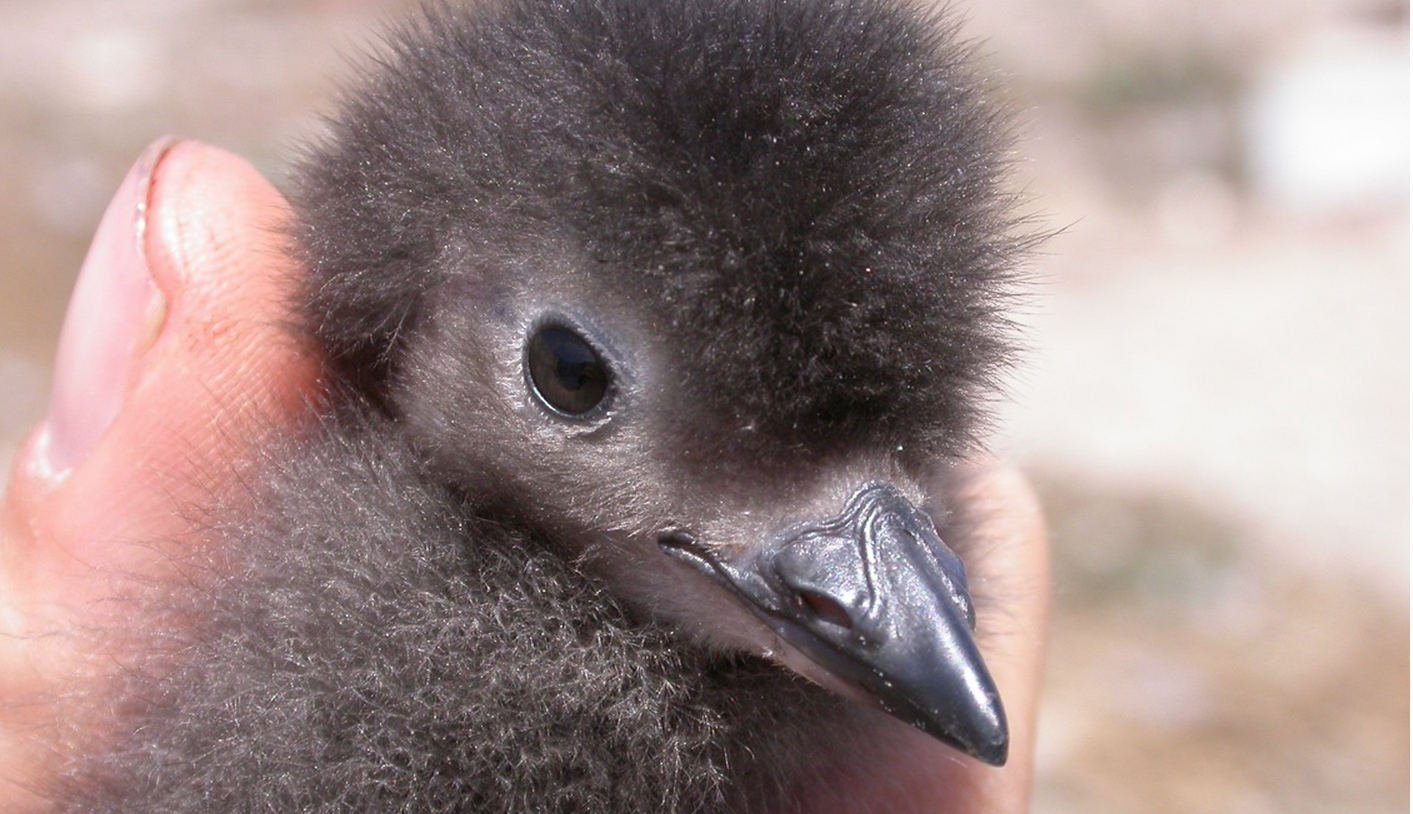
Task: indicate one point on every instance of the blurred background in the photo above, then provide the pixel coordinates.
(1215, 409)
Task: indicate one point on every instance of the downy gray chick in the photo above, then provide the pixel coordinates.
(654, 328)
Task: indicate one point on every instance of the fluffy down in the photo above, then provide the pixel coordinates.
(377, 650)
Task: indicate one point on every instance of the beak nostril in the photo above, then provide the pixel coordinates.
(677, 539)
(827, 608)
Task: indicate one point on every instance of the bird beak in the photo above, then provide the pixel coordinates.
(875, 599)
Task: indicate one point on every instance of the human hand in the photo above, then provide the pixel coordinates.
(175, 357)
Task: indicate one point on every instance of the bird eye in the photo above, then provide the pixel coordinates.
(565, 371)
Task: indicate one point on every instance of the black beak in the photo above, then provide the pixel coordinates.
(875, 598)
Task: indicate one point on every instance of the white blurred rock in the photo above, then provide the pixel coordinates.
(1327, 127)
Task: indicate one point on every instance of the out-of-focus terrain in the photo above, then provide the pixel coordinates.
(1215, 409)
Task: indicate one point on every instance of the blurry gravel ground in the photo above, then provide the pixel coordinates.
(1216, 409)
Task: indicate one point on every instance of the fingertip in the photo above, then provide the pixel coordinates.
(218, 366)
(1017, 562)
(912, 773)
(218, 234)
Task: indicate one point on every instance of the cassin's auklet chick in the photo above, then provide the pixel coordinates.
(653, 327)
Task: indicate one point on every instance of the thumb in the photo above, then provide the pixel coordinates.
(176, 335)
(176, 348)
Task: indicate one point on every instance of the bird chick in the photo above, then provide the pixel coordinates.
(654, 329)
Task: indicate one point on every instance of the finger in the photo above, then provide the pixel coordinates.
(173, 352)
(1017, 568)
(912, 773)
(174, 339)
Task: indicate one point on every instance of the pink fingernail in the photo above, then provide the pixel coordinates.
(114, 315)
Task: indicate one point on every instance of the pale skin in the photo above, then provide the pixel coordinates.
(176, 354)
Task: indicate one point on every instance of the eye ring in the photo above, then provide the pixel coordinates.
(566, 373)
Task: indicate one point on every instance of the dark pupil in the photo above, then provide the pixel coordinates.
(565, 371)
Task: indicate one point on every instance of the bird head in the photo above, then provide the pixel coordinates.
(706, 293)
